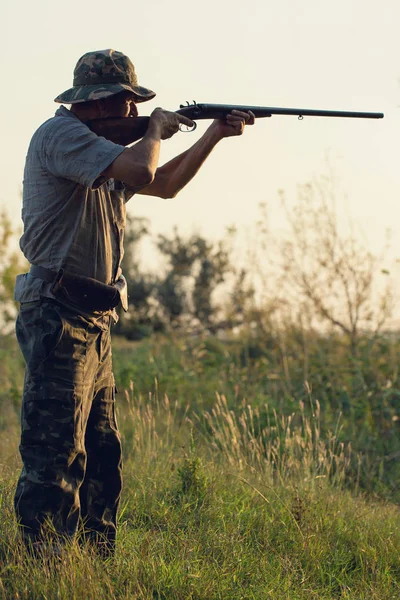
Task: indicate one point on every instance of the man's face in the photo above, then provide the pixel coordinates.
(121, 105)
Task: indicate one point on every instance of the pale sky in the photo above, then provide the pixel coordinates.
(341, 55)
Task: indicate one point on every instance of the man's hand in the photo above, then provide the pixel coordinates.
(234, 123)
(167, 123)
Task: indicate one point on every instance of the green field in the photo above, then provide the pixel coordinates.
(253, 469)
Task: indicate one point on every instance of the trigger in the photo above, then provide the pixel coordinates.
(186, 129)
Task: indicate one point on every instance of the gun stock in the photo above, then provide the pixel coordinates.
(125, 131)
(120, 130)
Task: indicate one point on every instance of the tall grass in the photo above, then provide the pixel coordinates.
(221, 504)
(358, 397)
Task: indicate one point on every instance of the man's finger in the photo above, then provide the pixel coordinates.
(252, 119)
(241, 114)
(185, 121)
(237, 115)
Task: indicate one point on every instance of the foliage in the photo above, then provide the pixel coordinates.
(358, 397)
(314, 275)
(137, 322)
(193, 479)
(183, 295)
(205, 263)
(263, 523)
(11, 264)
(332, 278)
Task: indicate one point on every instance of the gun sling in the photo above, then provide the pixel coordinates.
(85, 292)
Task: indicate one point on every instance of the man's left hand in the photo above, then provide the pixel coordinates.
(234, 123)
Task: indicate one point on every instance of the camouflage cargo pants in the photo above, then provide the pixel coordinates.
(70, 444)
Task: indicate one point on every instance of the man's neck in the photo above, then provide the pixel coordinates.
(84, 113)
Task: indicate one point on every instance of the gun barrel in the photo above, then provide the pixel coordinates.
(198, 111)
(309, 112)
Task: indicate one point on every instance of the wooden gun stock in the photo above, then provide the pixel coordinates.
(119, 130)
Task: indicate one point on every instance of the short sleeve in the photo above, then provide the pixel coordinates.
(72, 151)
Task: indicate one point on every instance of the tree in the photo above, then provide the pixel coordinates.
(195, 268)
(333, 277)
(138, 322)
(11, 264)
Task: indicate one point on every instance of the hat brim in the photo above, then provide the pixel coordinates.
(86, 93)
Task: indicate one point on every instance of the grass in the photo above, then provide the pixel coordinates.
(224, 498)
(359, 397)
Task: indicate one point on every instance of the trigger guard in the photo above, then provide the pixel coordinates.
(186, 129)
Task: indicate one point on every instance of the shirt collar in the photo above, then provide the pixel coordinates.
(64, 112)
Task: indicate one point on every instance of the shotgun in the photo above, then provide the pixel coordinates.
(130, 129)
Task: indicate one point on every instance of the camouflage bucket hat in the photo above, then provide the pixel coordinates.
(101, 74)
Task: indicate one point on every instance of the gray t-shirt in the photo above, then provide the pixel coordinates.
(72, 218)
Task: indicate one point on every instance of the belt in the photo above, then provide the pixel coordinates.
(45, 274)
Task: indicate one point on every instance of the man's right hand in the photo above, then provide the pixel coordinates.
(167, 123)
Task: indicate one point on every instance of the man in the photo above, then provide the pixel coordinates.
(76, 185)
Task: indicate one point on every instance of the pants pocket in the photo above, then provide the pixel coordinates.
(39, 329)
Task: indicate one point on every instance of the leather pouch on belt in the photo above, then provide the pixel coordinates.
(90, 294)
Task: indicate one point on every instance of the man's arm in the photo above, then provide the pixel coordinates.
(175, 174)
(137, 165)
